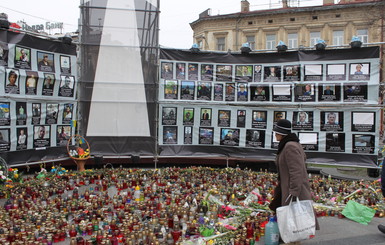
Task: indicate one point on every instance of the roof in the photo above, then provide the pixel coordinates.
(289, 10)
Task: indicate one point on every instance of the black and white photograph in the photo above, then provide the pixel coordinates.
(169, 115)
(303, 120)
(5, 142)
(335, 142)
(188, 134)
(48, 84)
(41, 136)
(255, 138)
(67, 85)
(52, 113)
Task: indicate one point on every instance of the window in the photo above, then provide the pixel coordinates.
(270, 21)
(314, 37)
(221, 43)
(292, 19)
(362, 34)
(338, 38)
(251, 41)
(315, 17)
(270, 41)
(292, 40)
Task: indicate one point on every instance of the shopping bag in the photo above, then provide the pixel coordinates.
(358, 212)
(296, 221)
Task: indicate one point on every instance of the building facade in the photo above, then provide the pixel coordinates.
(298, 27)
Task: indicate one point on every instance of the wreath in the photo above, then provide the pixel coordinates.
(78, 147)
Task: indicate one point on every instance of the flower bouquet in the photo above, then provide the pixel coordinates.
(79, 150)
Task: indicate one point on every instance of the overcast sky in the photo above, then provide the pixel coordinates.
(175, 15)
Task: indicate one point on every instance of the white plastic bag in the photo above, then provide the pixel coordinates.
(296, 221)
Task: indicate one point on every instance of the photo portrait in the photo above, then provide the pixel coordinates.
(329, 92)
(180, 71)
(259, 119)
(193, 71)
(48, 84)
(356, 92)
(257, 73)
(31, 82)
(12, 81)
(303, 120)
(22, 58)
(170, 135)
(205, 117)
(166, 70)
(229, 136)
(36, 113)
(272, 74)
(45, 62)
(21, 113)
(292, 73)
(224, 117)
(335, 142)
(204, 91)
(3, 54)
(279, 115)
(188, 134)
(304, 92)
(332, 121)
(230, 92)
(241, 118)
(359, 71)
(243, 73)
(255, 138)
(242, 93)
(259, 92)
(207, 72)
(5, 142)
(41, 136)
(218, 92)
(52, 112)
(22, 136)
(63, 133)
(67, 84)
(67, 113)
(188, 116)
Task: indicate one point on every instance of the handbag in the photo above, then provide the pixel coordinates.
(296, 221)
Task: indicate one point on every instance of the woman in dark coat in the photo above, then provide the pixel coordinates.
(291, 165)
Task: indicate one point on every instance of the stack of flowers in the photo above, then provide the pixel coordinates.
(78, 147)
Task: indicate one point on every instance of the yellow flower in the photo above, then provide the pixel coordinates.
(16, 176)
